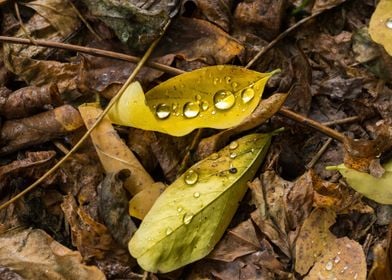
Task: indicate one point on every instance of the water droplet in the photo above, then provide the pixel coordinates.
(233, 155)
(191, 177)
(252, 150)
(234, 85)
(337, 259)
(247, 95)
(162, 111)
(213, 112)
(344, 269)
(233, 170)
(355, 276)
(216, 81)
(196, 194)
(187, 218)
(179, 209)
(214, 156)
(198, 97)
(388, 23)
(169, 231)
(174, 106)
(204, 105)
(224, 99)
(191, 110)
(329, 265)
(233, 145)
(228, 79)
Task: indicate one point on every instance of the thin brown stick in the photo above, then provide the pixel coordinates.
(319, 154)
(92, 51)
(264, 50)
(98, 120)
(342, 121)
(309, 122)
(27, 33)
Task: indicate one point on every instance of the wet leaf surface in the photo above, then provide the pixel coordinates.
(381, 24)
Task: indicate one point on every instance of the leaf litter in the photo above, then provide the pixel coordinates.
(336, 73)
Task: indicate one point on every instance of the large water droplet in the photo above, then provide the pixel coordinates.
(224, 99)
(169, 231)
(162, 111)
(196, 194)
(187, 218)
(204, 105)
(233, 145)
(388, 23)
(191, 110)
(247, 95)
(191, 177)
(329, 265)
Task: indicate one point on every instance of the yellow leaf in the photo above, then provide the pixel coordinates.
(217, 96)
(142, 202)
(113, 152)
(380, 26)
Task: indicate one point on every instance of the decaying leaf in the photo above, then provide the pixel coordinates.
(113, 152)
(378, 189)
(20, 133)
(218, 97)
(380, 25)
(33, 254)
(327, 256)
(382, 264)
(190, 217)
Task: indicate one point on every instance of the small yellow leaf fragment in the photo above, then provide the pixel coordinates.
(142, 202)
(217, 96)
(113, 152)
(380, 26)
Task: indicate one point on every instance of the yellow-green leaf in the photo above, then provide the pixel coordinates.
(191, 215)
(380, 26)
(217, 96)
(377, 189)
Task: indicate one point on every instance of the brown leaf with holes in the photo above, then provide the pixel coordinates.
(21, 133)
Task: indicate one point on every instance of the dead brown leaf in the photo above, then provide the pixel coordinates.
(215, 11)
(33, 254)
(382, 263)
(40, 128)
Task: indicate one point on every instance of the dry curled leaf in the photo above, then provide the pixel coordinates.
(217, 96)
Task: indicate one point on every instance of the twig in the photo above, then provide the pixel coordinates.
(98, 120)
(342, 121)
(309, 122)
(92, 51)
(264, 50)
(27, 33)
(319, 154)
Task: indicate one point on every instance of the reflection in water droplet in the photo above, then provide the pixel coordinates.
(162, 111)
(191, 177)
(388, 23)
(179, 209)
(214, 156)
(187, 218)
(329, 265)
(233, 170)
(233, 145)
(233, 155)
(169, 231)
(247, 95)
(228, 79)
(196, 194)
(224, 99)
(204, 105)
(191, 110)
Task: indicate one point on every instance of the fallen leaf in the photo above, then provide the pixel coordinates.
(218, 12)
(380, 25)
(377, 189)
(217, 96)
(382, 264)
(33, 254)
(326, 256)
(28, 101)
(113, 204)
(21, 133)
(113, 152)
(190, 217)
(265, 110)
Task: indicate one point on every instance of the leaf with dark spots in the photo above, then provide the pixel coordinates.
(92, 239)
(113, 207)
(194, 39)
(22, 133)
(265, 110)
(32, 166)
(135, 23)
(28, 101)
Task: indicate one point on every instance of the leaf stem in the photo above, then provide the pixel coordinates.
(100, 117)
